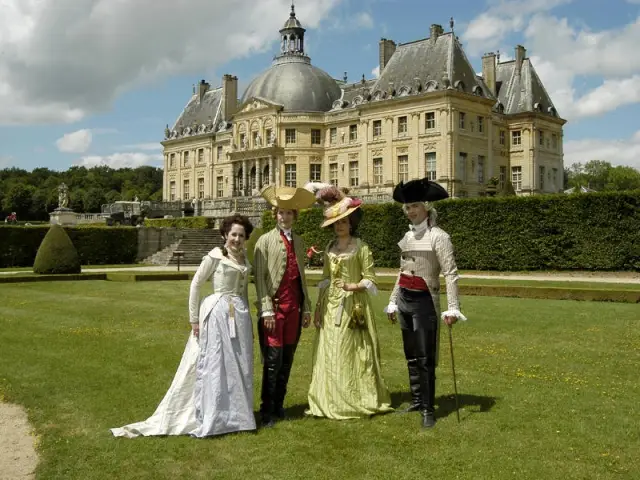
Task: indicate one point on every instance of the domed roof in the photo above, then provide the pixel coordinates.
(296, 84)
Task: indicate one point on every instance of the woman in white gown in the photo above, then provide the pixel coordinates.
(212, 391)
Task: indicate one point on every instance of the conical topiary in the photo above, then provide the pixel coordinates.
(57, 253)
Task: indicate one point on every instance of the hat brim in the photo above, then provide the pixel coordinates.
(333, 220)
(422, 190)
(289, 198)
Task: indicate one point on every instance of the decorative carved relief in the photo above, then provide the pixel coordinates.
(402, 149)
(290, 159)
(353, 156)
(430, 145)
(376, 153)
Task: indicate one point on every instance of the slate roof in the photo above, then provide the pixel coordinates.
(205, 111)
(524, 92)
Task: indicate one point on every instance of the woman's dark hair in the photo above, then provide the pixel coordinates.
(228, 222)
(354, 221)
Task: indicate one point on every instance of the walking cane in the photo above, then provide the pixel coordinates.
(453, 369)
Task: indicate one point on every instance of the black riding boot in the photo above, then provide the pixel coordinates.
(414, 386)
(427, 382)
(270, 370)
(288, 353)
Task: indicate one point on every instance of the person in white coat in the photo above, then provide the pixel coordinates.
(212, 391)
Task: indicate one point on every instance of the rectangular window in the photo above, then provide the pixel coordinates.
(503, 177)
(377, 128)
(200, 188)
(403, 168)
(516, 178)
(516, 137)
(290, 175)
(243, 140)
(430, 165)
(402, 126)
(333, 174)
(502, 137)
(220, 187)
(254, 139)
(201, 155)
(480, 124)
(554, 141)
(462, 166)
(461, 118)
(290, 136)
(353, 133)
(185, 190)
(219, 153)
(377, 171)
(172, 191)
(541, 138)
(542, 178)
(333, 135)
(554, 179)
(172, 160)
(267, 138)
(480, 168)
(430, 121)
(353, 174)
(185, 159)
(315, 172)
(316, 137)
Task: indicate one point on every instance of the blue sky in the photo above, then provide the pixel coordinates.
(110, 76)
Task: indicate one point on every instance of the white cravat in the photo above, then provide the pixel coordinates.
(421, 227)
(287, 233)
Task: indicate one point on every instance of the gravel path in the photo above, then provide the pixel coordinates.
(18, 457)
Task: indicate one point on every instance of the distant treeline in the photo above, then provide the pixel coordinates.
(32, 195)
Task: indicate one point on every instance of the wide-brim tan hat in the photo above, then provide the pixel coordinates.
(289, 198)
(342, 209)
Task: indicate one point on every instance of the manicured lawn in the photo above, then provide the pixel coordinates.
(549, 390)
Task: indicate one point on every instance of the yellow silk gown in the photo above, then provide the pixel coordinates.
(347, 380)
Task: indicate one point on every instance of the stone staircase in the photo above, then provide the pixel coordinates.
(195, 244)
(163, 256)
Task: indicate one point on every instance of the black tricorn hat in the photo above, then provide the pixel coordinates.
(422, 190)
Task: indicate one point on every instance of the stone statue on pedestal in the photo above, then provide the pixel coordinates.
(63, 196)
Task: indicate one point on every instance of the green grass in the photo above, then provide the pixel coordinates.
(549, 390)
(84, 267)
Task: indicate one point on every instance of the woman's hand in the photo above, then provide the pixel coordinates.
(350, 287)
(195, 329)
(317, 318)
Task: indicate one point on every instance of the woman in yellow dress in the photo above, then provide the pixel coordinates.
(346, 380)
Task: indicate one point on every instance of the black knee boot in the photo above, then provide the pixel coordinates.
(288, 353)
(270, 370)
(414, 386)
(427, 383)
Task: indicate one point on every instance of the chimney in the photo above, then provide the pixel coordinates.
(435, 31)
(202, 89)
(387, 48)
(521, 54)
(229, 96)
(489, 71)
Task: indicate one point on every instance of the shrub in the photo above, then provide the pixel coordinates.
(595, 231)
(57, 253)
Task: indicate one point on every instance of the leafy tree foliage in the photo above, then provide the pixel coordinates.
(602, 176)
(33, 195)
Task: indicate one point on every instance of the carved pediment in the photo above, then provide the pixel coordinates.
(255, 104)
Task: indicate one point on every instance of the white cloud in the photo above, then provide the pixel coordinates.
(563, 54)
(63, 59)
(376, 71)
(121, 160)
(489, 29)
(75, 142)
(617, 151)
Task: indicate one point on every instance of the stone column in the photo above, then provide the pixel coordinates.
(272, 171)
(245, 177)
(258, 165)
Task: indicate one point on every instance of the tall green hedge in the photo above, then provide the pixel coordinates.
(596, 231)
(95, 245)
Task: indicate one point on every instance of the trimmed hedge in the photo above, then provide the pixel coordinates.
(95, 245)
(57, 254)
(182, 222)
(595, 231)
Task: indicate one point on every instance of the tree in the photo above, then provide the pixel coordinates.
(623, 178)
(18, 199)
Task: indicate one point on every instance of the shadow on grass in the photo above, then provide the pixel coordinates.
(446, 404)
